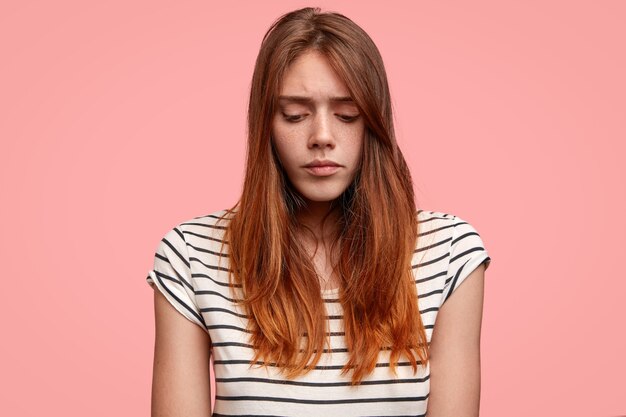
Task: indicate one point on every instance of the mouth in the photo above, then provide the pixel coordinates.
(322, 170)
(322, 163)
(322, 167)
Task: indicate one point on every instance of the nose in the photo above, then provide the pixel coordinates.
(322, 135)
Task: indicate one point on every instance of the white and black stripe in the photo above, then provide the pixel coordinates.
(186, 271)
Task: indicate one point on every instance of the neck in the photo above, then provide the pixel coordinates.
(312, 216)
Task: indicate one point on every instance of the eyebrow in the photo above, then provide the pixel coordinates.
(306, 100)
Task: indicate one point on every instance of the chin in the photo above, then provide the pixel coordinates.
(320, 199)
(321, 196)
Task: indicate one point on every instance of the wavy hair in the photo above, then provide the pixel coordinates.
(377, 231)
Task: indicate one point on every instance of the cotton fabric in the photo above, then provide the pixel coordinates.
(186, 271)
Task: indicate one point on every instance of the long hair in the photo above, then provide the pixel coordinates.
(378, 225)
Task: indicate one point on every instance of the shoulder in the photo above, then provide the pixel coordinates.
(436, 226)
(197, 234)
(464, 247)
(455, 241)
(446, 224)
(431, 219)
(207, 225)
(441, 218)
(204, 241)
(211, 219)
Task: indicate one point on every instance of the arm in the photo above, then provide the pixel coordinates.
(455, 351)
(181, 376)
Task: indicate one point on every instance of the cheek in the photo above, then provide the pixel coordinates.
(278, 143)
(284, 151)
(357, 147)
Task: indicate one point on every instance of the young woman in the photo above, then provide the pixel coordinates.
(323, 290)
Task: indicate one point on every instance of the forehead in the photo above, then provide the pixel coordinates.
(311, 77)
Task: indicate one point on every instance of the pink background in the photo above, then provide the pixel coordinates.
(120, 119)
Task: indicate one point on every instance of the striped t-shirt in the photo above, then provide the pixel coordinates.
(186, 272)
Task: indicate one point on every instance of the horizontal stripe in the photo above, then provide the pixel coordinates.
(273, 364)
(327, 317)
(428, 294)
(248, 346)
(309, 401)
(431, 261)
(223, 310)
(430, 277)
(219, 294)
(323, 384)
(209, 266)
(207, 251)
(464, 253)
(228, 327)
(221, 284)
(240, 329)
(434, 245)
(211, 226)
(435, 230)
(203, 236)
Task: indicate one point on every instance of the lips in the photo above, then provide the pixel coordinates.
(322, 167)
(322, 163)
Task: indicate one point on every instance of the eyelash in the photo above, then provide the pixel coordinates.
(295, 118)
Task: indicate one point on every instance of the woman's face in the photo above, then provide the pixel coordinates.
(316, 120)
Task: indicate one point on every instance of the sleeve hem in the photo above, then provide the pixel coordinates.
(465, 270)
(155, 282)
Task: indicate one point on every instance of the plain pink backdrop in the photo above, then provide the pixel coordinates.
(120, 119)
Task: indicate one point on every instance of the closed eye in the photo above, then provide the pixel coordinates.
(349, 118)
(294, 118)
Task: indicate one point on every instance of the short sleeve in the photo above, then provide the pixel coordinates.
(467, 252)
(171, 274)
